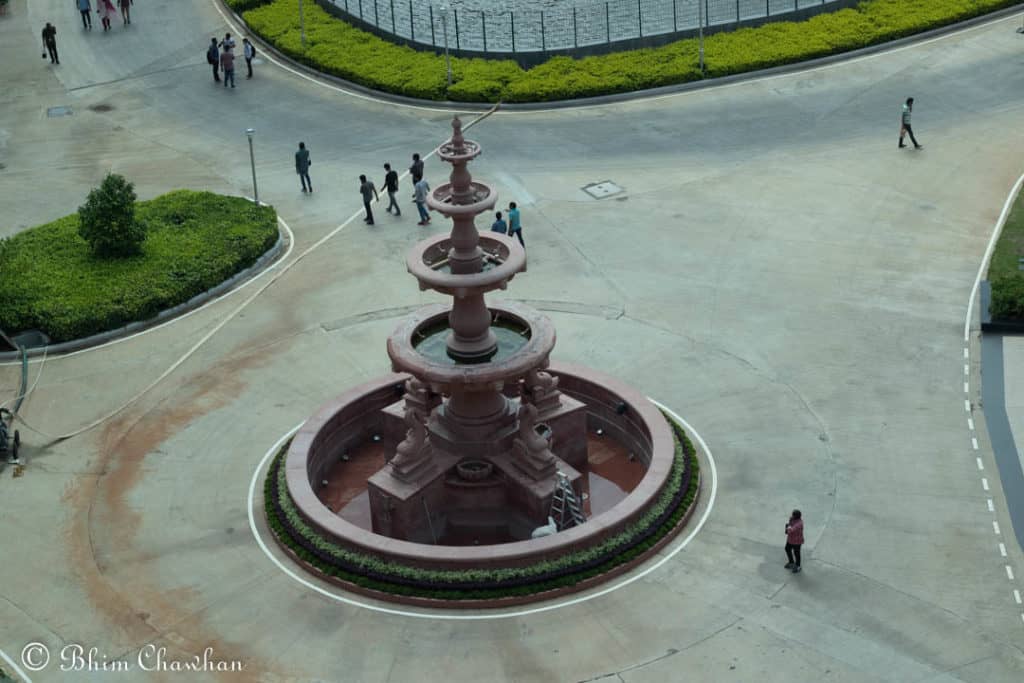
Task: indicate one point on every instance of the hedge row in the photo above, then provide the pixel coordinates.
(1004, 271)
(478, 584)
(50, 281)
(338, 48)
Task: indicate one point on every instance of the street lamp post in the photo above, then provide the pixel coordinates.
(447, 59)
(302, 26)
(252, 162)
(700, 31)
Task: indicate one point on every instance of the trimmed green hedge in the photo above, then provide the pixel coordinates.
(49, 279)
(387, 576)
(1004, 271)
(338, 48)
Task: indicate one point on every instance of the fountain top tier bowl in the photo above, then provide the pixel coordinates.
(525, 340)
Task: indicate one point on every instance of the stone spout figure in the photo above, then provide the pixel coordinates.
(541, 389)
(412, 456)
(532, 447)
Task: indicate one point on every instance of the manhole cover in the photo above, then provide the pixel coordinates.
(101, 107)
(54, 112)
(605, 188)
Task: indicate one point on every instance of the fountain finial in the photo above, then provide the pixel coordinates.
(458, 142)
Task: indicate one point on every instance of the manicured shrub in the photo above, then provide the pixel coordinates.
(107, 219)
(1008, 298)
(194, 241)
(338, 48)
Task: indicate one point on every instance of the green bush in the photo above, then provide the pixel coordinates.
(194, 241)
(1004, 270)
(1008, 298)
(107, 219)
(243, 5)
(338, 48)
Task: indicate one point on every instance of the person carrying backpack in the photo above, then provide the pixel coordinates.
(249, 52)
(213, 58)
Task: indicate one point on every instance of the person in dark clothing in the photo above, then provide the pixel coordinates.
(369, 192)
(213, 58)
(85, 7)
(391, 185)
(416, 170)
(302, 162)
(908, 108)
(126, 16)
(794, 540)
(50, 42)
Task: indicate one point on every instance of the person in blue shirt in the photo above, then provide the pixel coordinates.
(499, 224)
(514, 226)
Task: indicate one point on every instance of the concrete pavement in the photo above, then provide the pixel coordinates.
(775, 271)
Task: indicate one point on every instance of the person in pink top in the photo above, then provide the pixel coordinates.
(794, 539)
(107, 12)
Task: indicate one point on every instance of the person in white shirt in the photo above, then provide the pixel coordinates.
(248, 51)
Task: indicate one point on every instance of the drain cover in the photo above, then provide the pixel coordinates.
(54, 112)
(605, 188)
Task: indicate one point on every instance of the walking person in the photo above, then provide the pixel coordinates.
(416, 171)
(227, 65)
(50, 43)
(514, 225)
(908, 108)
(369, 191)
(421, 188)
(499, 224)
(107, 12)
(85, 8)
(213, 59)
(391, 185)
(302, 162)
(794, 539)
(126, 16)
(249, 52)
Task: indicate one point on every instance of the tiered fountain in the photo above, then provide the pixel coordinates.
(477, 430)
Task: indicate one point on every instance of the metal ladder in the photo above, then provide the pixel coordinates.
(565, 508)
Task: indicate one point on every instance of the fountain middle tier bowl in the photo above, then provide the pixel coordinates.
(502, 258)
(480, 197)
(525, 340)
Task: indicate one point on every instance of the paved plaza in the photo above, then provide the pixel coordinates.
(773, 269)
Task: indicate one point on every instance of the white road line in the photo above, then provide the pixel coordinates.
(17, 669)
(1016, 596)
(981, 465)
(1009, 572)
(967, 405)
(967, 388)
(178, 318)
(995, 527)
(984, 483)
(967, 369)
(970, 423)
(974, 443)
(991, 507)
(966, 354)
(1002, 550)
(439, 615)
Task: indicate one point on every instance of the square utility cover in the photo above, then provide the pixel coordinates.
(54, 112)
(605, 188)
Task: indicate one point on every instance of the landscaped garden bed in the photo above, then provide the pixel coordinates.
(363, 570)
(1004, 271)
(338, 48)
(52, 281)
